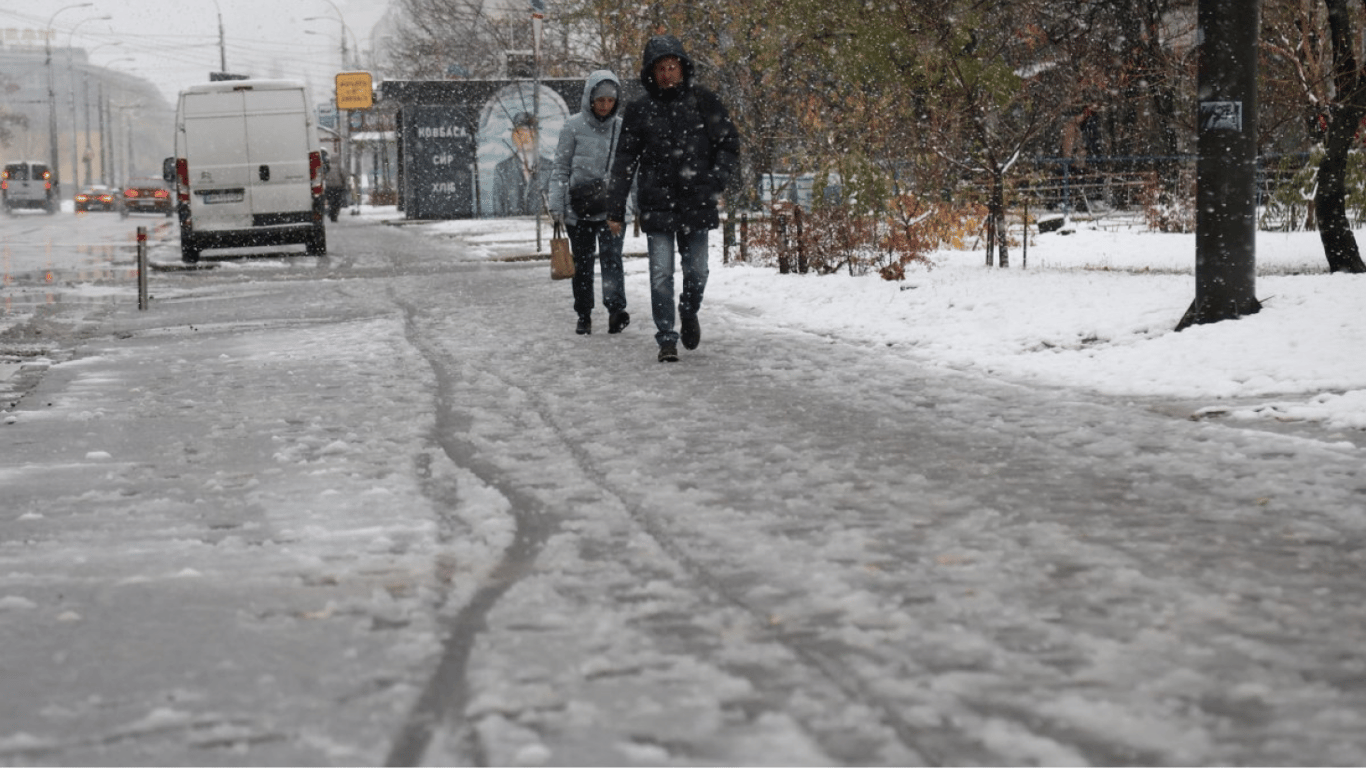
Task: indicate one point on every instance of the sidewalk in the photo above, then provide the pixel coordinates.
(301, 510)
(203, 507)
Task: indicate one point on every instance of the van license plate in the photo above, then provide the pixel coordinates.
(222, 196)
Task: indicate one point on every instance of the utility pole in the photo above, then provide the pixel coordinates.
(53, 158)
(89, 155)
(71, 79)
(537, 20)
(1226, 170)
(106, 174)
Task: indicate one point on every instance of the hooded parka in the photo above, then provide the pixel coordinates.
(679, 145)
(584, 149)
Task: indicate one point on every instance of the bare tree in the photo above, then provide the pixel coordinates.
(1296, 74)
(995, 87)
(435, 39)
(1345, 115)
(473, 38)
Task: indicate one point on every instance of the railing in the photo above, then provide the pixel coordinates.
(1141, 192)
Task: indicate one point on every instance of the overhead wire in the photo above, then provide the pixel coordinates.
(163, 58)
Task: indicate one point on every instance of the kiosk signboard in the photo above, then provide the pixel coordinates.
(439, 162)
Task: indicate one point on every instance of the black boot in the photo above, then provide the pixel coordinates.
(691, 332)
(668, 353)
(617, 321)
(585, 325)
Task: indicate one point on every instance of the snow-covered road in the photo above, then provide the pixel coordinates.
(387, 508)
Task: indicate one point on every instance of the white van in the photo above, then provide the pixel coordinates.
(247, 167)
(27, 184)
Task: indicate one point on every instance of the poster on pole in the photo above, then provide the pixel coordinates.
(355, 90)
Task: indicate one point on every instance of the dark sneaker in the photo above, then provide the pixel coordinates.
(690, 333)
(617, 321)
(668, 353)
(585, 325)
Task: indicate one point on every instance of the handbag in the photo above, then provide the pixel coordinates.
(561, 259)
(589, 199)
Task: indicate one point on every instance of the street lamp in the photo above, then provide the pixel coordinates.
(345, 30)
(345, 56)
(53, 159)
(85, 87)
(108, 174)
(343, 116)
(71, 78)
(222, 48)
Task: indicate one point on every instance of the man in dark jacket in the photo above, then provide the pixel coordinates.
(680, 146)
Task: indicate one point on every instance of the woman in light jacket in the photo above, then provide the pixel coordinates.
(584, 153)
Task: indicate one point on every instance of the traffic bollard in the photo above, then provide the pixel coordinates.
(142, 268)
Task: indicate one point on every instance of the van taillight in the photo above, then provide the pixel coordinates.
(315, 171)
(182, 175)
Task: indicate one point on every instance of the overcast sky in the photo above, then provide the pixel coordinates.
(174, 43)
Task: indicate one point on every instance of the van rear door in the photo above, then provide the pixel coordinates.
(277, 148)
(215, 143)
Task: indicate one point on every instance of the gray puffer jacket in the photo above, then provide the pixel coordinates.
(585, 148)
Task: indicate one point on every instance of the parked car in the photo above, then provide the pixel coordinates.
(27, 185)
(96, 198)
(147, 195)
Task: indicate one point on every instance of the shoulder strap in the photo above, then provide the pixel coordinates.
(612, 144)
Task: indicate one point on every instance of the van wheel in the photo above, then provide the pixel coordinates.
(317, 242)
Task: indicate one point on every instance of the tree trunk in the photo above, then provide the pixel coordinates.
(1225, 199)
(1330, 198)
(990, 226)
(996, 221)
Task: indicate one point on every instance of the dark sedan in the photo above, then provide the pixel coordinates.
(147, 195)
(96, 198)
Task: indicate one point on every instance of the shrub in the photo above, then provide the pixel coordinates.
(831, 238)
(1170, 209)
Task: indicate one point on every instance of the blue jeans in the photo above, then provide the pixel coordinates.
(588, 239)
(692, 252)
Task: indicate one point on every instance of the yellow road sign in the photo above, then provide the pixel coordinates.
(354, 90)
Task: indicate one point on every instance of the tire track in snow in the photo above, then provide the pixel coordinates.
(938, 745)
(444, 698)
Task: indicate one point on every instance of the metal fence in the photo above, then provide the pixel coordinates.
(1163, 188)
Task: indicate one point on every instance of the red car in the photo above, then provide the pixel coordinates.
(147, 195)
(96, 198)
